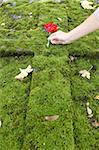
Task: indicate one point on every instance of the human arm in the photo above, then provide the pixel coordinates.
(91, 24)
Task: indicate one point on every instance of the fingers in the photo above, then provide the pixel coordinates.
(53, 38)
(54, 34)
(54, 41)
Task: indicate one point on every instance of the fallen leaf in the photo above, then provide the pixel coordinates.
(29, 69)
(30, 14)
(0, 123)
(85, 73)
(97, 97)
(2, 24)
(24, 73)
(50, 27)
(87, 103)
(51, 118)
(86, 4)
(95, 124)
(60, 19)
(89, 111)
(72, 58)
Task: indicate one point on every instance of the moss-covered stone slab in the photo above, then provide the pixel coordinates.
(55, 87)
(13, 102)
(33, 41)
(50, 95)
(52, 98)
(86, 46)
(82, 86)
(22, 17)
(49, 69)
(29, 41)
(83, 91)
(85, 135)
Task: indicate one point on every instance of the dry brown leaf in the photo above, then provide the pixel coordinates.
(52, 118)
(86, 4)
(85, 73)
(97, 97)
(95, 124)
(89, 111)
(60, 19)
(73, 58)
(24, 73)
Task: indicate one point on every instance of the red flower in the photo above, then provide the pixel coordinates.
(50, 27)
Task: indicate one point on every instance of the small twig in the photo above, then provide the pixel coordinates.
(90, 68)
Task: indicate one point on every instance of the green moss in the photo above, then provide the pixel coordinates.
(49, 13)
(84, 90)
(30, 41)
(85, 136)
(85, 46)
(76, 14)
(56, 100)
(25, 22)
(56, 88)
(82, 87)
(13, 102)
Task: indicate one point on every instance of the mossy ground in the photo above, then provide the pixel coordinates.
(55, 89)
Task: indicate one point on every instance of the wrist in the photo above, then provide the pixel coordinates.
(68, 38)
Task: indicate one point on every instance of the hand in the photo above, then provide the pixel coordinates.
(59, 37)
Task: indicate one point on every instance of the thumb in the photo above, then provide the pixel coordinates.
(53, 39)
